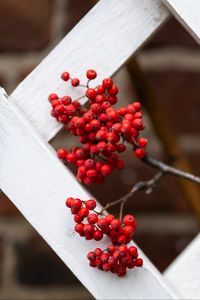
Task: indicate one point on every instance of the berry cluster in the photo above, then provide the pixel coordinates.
(101, 129)
(117, 257)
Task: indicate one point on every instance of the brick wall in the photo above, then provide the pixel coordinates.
(171, 61)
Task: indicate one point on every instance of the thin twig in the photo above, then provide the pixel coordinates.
(156, 164)
(149, 185)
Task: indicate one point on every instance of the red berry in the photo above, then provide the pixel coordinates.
(91, 74)
(106, 266)
(79, 228)
(100, 99)
(116, 223)
(139, 153)
(121, 271)
(91, 93)
(137, 124)
(104, 257)
(100, 90)
(113, 90)
(98, 235)
(109, 218)
(90, 204)
(101, 146)
(136, 105)
(88, 229)
(121, 148)
(65, 76)
(83, 212)
(142, 142)
(91, 256)
(102, 223)
(133, 251)
(78, 218)
(53, 97)
(75, 82)
(92, 218)
(89, 164)
(129, 220)
(61, 153)
(97, 252)
(106, 169)
(69, 201)
(139, 262)
(122, 239)
(107, 83)
(128, 231)
(122, 250)
(111, 249)
(70, 157)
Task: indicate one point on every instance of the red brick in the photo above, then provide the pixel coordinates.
(172, 34)
(75, 11)
(178, 94)
(25, 24)
(37, 264)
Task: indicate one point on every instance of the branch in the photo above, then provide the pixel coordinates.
(166, 169)
(148, 185)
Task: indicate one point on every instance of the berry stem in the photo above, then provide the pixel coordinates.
(148, 185)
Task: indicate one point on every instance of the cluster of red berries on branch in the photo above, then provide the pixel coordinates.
(92, 225)
(102, 130)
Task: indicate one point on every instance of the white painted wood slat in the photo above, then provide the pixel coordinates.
(38, 183)
(188, 13)
(184, 272)
(104, 39)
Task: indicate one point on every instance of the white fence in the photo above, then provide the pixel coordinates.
(35, 180)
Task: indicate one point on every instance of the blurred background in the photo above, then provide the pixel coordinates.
(168, 69)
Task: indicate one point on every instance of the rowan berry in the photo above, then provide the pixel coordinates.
(53, 97)
(115, 223)
(142, 142)
(83, 212)
(139, 153)
(107, 83)
(139, 262)
(75, 82)
(90, 204)
(91, 74)
(65, 76)
(97, 252)
(61, 153)
(91, 93)
(68, 202)
(102, 223)
(98, 235)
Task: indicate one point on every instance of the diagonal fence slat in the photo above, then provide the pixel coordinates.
(184, 273)
(188, 13)
(104, 39)
(37, 183)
